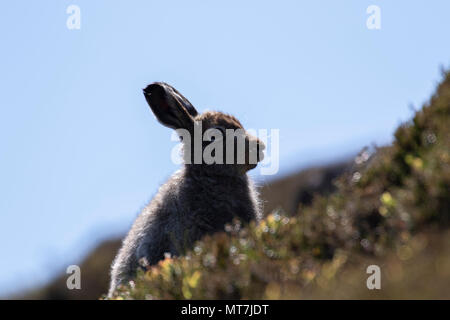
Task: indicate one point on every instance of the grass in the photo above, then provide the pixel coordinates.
(392, 209)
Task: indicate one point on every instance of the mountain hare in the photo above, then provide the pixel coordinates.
(198, 199)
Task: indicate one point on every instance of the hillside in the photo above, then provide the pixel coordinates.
(94, 281)
(288, 192)
(285, 192)
(392, 209)
(389, 208)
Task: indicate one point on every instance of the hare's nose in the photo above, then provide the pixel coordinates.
(261, 145)
(260, 148)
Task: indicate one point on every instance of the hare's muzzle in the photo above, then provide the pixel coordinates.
(260, 147)
(255, 151)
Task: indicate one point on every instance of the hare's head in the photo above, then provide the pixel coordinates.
(212, 140)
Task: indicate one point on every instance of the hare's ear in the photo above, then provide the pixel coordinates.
(169, 106)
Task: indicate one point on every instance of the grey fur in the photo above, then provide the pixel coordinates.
(198, 199)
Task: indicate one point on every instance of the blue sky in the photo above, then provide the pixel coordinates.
(81, 153)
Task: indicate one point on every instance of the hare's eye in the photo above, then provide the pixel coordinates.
(221, 129)
(216, 136)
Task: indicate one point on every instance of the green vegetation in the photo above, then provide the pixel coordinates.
(392, 209)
